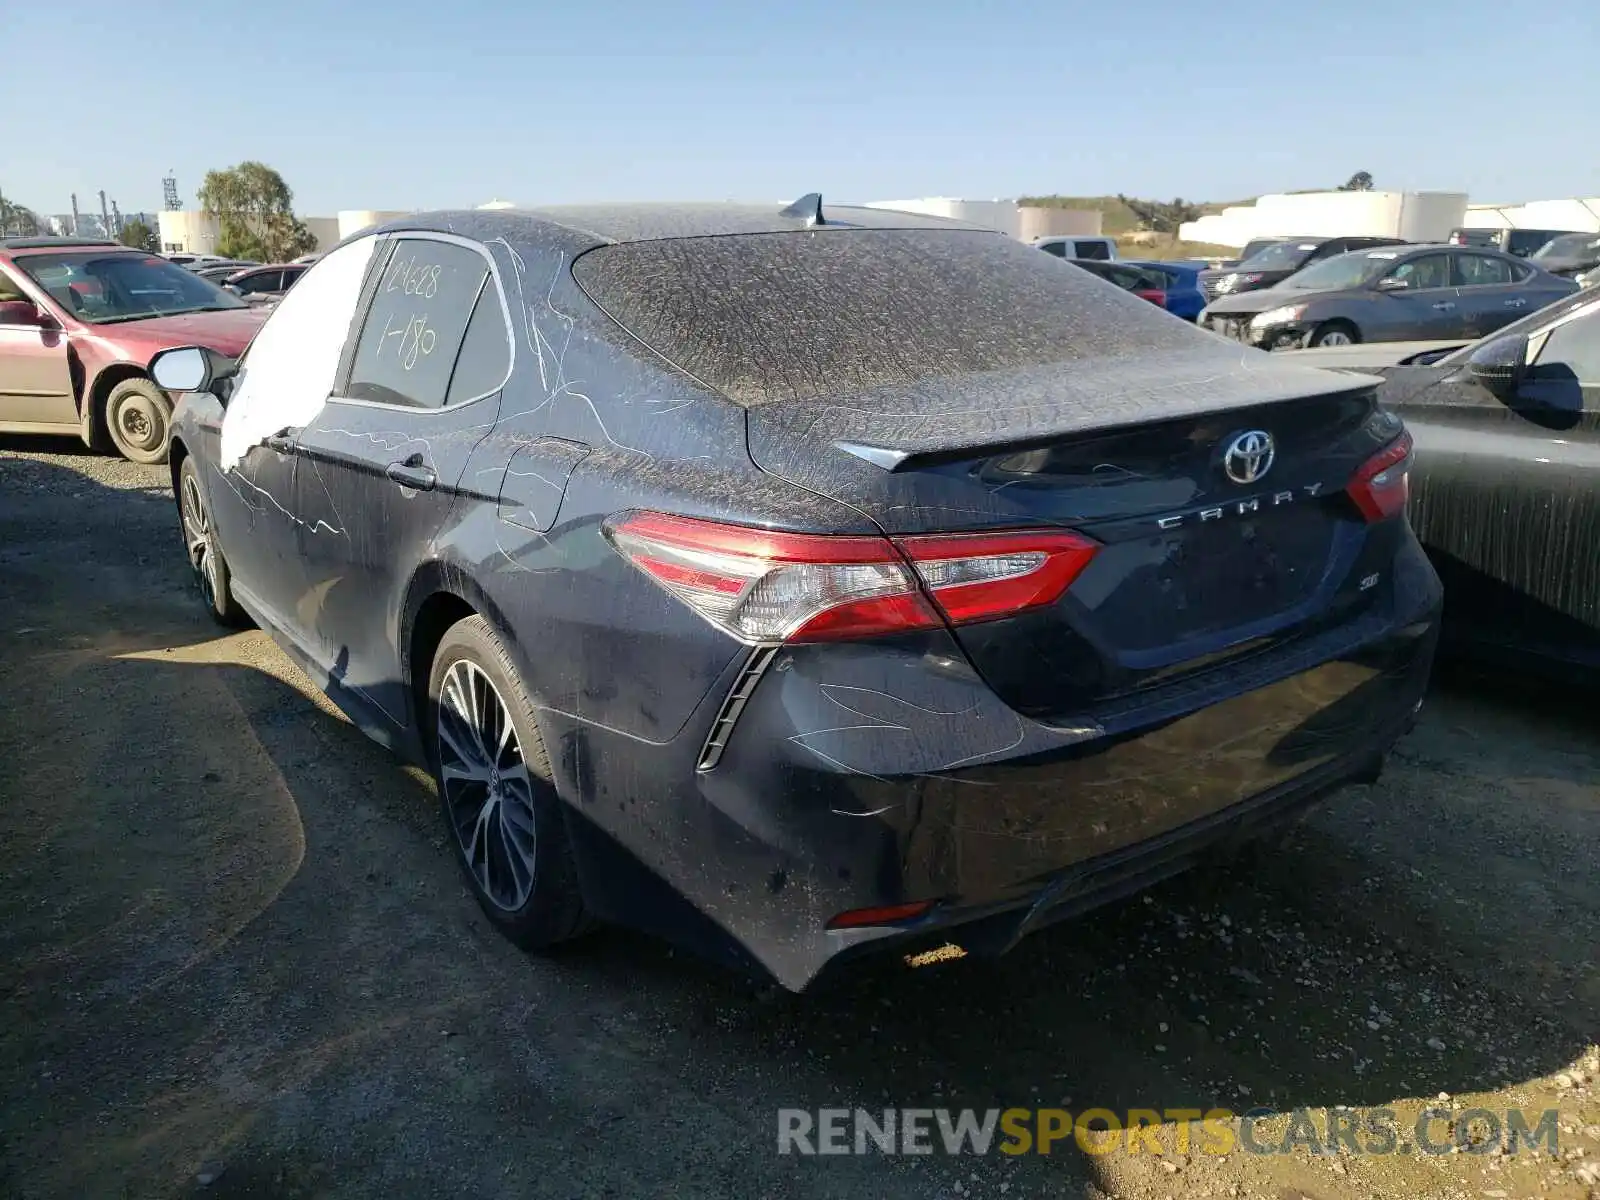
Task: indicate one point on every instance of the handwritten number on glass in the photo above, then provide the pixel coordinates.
(411, 278)
(416, 339)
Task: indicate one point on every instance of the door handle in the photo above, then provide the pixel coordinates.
(412, 473)
(1444, 305)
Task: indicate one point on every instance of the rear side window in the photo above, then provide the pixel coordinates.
(1059, 249)
(1479, 270)
(766, 318)
(1096, 249)
(485, 356)
(420, 310)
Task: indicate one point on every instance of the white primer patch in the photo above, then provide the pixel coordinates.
(287, 375)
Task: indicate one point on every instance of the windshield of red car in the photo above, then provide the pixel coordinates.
(99, 288)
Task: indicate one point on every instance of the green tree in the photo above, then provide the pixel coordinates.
(1361, 181)
(254, 210)
(138, 235)
(19, 219)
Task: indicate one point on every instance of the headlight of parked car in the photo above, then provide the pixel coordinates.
(1276, 316)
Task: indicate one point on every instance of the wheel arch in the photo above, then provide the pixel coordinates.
(99, 391)
(439, 596)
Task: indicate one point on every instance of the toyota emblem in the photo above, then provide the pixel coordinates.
(1249, 456)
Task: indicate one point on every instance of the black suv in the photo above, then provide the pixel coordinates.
(1281, 259)
(1521, 242)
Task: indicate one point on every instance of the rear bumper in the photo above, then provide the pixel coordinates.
(872, 775)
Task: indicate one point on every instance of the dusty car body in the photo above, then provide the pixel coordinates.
(846, 579)
(1505, 494)
(68, 367)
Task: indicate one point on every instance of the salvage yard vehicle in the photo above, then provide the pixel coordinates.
(800, 584)
(1180, 283)
(1145, 284)
(1569, 255)
(1520, 242)
(1279, 259)
(80, 321)
(1505, 492)
(1411, 293)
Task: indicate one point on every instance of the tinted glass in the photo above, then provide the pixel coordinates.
(1479, 270)
(1524, 241)
(260, 281)
(766, 318)
(1280, 256)
(1096, 250)
(415, 326)
(1569, 245)
(1572, 349)
(101, 288)
(1429, 271)
(1059, 249)
(485, 352)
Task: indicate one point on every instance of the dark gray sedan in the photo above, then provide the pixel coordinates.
(1410, 293)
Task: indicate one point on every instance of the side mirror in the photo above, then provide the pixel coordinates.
(192, 369)
(20, 312)
(1501, 365)
(1390, 284)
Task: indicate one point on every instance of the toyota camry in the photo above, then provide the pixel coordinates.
(797, 583)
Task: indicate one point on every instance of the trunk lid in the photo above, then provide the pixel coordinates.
(1196, 568)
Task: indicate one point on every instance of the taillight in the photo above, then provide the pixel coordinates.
(1381, 485)
(889, 914)
(763, 586)
(1154, 295)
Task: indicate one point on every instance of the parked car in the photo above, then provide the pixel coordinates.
(1569, 255)
(1273, 264)
(1099, 249)
(1180, 282)
(1410, 293)
(1147, 285)
(195, 262)
(1505, 492)
(223, 271)
(768, 579)
(1589, 278)
(264, 283)
(1520, 242)
(79, 323)
(306, 259)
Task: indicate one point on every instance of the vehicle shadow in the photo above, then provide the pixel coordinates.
(232, 930)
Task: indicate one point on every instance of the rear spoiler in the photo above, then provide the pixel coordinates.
(902, 428)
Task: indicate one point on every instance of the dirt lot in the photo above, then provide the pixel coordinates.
(236, 959)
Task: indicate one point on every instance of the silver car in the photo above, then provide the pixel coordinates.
(1394, 294)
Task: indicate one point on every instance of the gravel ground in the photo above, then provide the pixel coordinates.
(236, 959)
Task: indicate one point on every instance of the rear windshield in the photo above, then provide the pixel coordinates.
(795, 316)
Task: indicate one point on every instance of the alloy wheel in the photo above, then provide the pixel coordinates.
(198, 538)
(1335, 337)
(487, 790)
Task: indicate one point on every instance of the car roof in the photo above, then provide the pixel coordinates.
(36, 245)
(644, 222)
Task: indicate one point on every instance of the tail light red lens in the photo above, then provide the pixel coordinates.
(1382, 485)
(763, 586)
(891, 914)
(1151, 294)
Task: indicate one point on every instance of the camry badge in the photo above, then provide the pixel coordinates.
(1249, 456)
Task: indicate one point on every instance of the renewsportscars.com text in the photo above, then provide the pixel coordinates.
(1217, 1131)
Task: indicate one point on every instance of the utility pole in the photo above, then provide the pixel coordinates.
(105, 217)
(116, 217)
(74, 214)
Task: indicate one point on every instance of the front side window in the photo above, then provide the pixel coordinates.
(1429, 271)
(102, 288)
(417, 322)
(288, 372)
(1479, 270)
(1096, 249)
(1059, 249)
(261, 281)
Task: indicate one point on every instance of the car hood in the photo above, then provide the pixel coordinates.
(1258, 301)
(228, 331)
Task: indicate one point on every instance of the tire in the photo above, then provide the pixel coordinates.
(203, 550)
(497, 793)
(1334, 333)
(138, 417)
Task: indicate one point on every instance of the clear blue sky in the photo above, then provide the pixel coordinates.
(409, 104)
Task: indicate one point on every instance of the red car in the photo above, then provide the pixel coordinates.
(80, 321)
